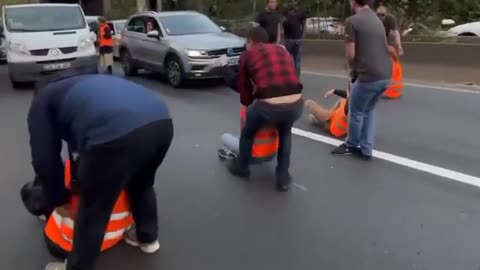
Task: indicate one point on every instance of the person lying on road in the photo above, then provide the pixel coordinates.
(335, 120)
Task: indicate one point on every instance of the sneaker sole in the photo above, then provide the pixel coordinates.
(152, 248)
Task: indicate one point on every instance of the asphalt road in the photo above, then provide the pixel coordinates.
(342, 213)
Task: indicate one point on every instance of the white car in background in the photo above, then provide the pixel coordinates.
(117, 27)
(322, 25)
(465, 30)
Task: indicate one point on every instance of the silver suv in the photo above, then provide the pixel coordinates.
(180, 44)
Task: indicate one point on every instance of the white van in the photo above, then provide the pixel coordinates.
(45, 38)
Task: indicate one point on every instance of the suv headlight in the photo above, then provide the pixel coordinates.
(85, 43)
(18, 48)
(196, 53)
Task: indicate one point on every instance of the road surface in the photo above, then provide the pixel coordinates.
(342, 213)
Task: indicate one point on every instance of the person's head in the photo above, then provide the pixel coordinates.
(149, 26)
(272, 4)
(382, 12)
(356, 4)
(102, 20)
(256, 35)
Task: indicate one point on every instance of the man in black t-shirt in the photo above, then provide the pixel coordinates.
(294, 26)
(391, 28)
(270, 19)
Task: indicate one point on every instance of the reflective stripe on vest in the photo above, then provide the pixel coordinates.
(266, 142)
(66, 226)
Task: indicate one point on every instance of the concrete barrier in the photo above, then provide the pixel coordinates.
(446, 54)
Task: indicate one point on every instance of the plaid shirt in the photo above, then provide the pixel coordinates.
(267, 71)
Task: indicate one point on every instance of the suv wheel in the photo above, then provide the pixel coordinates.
(175, 74)
(128, 66)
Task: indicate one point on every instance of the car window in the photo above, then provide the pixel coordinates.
(119, 26)
(137, 24)
(188, 24)
(40, 18)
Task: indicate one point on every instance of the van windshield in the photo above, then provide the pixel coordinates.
(41, 18)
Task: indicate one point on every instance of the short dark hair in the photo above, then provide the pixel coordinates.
(257, 35)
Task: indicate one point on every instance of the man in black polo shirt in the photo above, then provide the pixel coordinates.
(293, 26)
(270, 19)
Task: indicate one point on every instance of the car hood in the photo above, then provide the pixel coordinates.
(211, 41)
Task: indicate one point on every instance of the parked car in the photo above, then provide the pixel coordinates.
(44, 39)
(3, 44)
(182, 46)
(117, 27)
(323, 25)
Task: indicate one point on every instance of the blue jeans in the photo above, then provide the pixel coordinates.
(282, 116)
(362, 103)
(294, 47)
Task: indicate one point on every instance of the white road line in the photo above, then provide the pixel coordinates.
(417, 165)
(451, 89)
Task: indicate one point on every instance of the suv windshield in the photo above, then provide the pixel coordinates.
(188, 24)
(43, 18)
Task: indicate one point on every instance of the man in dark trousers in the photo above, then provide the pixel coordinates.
(269, 85)
(122, 133)
(270, 18)
(294, 27)
(369, 58)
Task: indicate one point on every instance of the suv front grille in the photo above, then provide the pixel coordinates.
(217, 53)
(43, 52)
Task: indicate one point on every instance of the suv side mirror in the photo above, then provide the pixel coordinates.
(153, 34)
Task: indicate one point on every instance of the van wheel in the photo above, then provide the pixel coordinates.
(174, 72)
(128, 66)
(15, 84)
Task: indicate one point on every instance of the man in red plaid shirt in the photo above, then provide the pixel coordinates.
(269, 85)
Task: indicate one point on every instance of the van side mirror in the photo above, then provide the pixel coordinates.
(153, 34)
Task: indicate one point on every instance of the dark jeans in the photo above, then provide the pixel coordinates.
(104, 170)
(282, 116)
(294, 47)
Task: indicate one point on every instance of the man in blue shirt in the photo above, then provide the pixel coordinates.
(122, 133)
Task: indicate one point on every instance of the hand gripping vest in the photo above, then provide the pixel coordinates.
(266, 142)
(339, 120)
(60, 229)
(396, 88)
(105, 41)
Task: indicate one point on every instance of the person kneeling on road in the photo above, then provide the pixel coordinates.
(58, 232)
(122, 133)
(265, 143)
(334, 120)
(270, 87)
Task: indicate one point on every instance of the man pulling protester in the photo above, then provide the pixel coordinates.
(122, 133)
(270, 87)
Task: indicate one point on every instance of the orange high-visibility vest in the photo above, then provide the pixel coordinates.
(395, 90)
(266, 140)
(60, 229)
(339, 120)
(105, 41)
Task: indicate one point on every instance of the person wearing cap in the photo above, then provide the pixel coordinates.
(122, 132)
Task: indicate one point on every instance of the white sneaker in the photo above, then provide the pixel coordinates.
(131, 239)
(56, 266)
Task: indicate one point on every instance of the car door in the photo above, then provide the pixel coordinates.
(133, 39)
(155, 49)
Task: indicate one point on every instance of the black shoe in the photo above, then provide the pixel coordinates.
(283, 182)
(344, 150)
(234, 168)
(362, 156)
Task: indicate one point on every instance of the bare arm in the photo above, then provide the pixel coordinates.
(350, 38)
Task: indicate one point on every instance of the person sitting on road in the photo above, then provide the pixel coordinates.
(271, 89)
(58, 232)
(334, 120)
(266, 142)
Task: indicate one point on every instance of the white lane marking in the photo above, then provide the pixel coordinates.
(301, 187)
(451, 89)
(417, 165)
